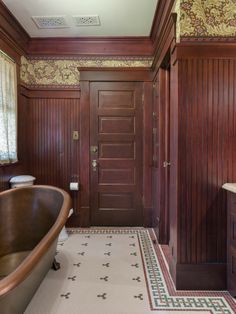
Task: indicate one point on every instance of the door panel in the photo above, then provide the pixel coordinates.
(117, 150)
(116, 131)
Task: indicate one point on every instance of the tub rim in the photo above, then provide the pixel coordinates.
(24, 269)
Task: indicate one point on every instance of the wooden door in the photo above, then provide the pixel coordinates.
(116, 153)
(161, 156)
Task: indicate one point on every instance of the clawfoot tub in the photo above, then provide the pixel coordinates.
(31, 219)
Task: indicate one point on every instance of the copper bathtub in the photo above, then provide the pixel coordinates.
(31, 219)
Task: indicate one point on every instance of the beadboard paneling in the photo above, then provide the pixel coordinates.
(208, 151)
(52, 156)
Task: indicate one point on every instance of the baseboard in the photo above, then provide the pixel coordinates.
(84, 216)
(210, 276)
(79, 219)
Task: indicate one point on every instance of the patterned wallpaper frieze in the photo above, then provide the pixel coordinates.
(206, 18)
(64, 72)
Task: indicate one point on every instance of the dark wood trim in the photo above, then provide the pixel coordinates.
(174, 135)
(147, 216)
(112, 46)
(162, 107)
(115, 69)
(11, 31)
(11, 51)
(206, 50)
(163, 12)
(49, 92)
(115, 75)
(147, 153)
(209, 276)
(165, 43)
(84, 178)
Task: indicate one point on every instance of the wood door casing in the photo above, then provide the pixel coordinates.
(160, 178)
(116, 130)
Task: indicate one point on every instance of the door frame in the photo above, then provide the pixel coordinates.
(145, 76)
(161, 225)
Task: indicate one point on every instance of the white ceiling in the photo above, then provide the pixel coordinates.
(117, 17)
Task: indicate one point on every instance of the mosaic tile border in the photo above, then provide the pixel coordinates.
(162, 294)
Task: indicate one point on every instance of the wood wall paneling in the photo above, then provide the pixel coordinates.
(204, 160)
(47, 146)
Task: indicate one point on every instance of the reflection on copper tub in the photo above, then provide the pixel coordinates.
(31, 219)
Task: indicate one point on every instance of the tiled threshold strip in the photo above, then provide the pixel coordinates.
(118, 271)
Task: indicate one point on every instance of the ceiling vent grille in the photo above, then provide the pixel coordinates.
(87, 20)
(50, 21)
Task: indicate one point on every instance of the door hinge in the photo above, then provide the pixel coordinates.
(166, 164)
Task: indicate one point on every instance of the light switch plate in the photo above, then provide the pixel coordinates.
(75, 135)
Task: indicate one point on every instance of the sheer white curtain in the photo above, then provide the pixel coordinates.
(8, 110)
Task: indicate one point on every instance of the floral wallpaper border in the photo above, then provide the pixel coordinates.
(57, 71)
(206, 18)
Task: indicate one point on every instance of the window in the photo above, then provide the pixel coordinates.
(8, 109)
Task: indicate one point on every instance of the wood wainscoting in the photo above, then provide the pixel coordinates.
(49, 118)
(54, 158)
(203, 154)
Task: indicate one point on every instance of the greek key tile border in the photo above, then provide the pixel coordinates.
(161, 291)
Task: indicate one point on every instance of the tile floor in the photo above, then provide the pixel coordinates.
(117, 271)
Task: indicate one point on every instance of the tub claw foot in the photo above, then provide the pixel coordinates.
(55, 265)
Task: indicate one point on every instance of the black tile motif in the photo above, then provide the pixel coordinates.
(88, 236)
(66, 295)
(106, 265)
(109, 237)
(73, 278)
(140, 296)
(81, 253)
(132, 244)
(104, 278)
(77, 264)
(135, 265)
(107, 253)
(103, 296)
(138, 279)
(134, 253)
(131, 237)
(109, 244)
(84, 244)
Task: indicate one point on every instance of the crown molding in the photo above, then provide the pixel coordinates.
(11, 30)
(109, 46)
